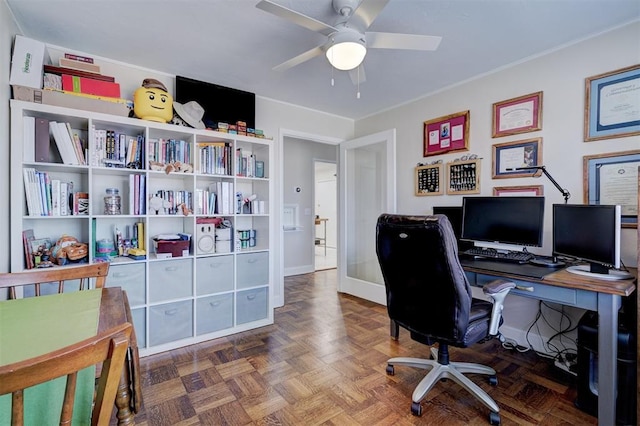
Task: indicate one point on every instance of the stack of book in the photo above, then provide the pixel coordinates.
(47, 196)
(37, 136)
(81, 76)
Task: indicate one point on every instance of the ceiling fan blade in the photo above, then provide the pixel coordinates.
(303, 57)
(365, 14)
(355, 78)
(296, 17)
(401, 41)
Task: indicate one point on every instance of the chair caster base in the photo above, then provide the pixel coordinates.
(416, 409)
(494, 418)
(493, 380)
(390, 370)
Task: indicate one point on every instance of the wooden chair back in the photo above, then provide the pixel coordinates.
(106, 350)
(59, 275)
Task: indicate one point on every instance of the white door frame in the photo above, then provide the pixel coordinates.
(278, 263)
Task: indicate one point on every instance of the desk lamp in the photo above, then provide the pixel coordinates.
(564, 192)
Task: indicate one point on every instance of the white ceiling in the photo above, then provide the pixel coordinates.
(234, 44)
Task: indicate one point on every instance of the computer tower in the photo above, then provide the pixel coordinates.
(587, 399)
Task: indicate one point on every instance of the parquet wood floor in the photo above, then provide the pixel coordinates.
(323, 363)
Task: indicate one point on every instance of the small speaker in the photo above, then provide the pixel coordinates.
(205, 236)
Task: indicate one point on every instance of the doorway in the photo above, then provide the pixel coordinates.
(326, 215)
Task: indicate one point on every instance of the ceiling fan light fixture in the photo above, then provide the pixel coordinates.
(347, 51)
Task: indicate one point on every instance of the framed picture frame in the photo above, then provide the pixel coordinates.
(612, 178)
(610, 107)
(429, 180)
(507, 157)
(525, 190)
(517, 115)
(446, 134)
(463, 177)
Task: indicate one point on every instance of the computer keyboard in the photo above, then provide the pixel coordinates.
(509, 256)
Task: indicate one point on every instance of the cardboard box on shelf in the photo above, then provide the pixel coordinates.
(175, 248)
(27, 62)
(114, 106)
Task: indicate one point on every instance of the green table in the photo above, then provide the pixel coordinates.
(37, 325)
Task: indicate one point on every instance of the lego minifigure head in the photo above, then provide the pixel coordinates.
(152, 102)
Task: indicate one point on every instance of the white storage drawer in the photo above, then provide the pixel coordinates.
(251, 305)
(139, 323)
(214, 313)
(214, 274)
(170, 322)
(171, 279)
(252, 270)
(131, 277)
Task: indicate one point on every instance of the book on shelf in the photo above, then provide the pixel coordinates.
(45, 193)
(90, 86)
(65, 148)
(64, 198)
(55, 197)
(51, 69)
(28, 139)
(42, 140)
(27, 237)
(81, 203)
(76, 143)
(32, 191)
(79, 58)
(79, 65)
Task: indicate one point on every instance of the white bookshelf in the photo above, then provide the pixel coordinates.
(178, 301)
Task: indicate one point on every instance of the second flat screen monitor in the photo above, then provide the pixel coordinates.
(506, 220)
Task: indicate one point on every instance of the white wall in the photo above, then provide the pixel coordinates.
(7, 30)
(299, 154)
(561, 76)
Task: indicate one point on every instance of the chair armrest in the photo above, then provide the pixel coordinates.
(497, 286)
(498, 291)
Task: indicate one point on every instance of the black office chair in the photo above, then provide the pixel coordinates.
(429, 295)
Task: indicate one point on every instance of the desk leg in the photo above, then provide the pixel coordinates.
(608, 306)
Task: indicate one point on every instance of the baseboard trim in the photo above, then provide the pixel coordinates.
(298, 270)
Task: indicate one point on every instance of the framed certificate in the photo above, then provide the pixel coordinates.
(612, 104)
(613, 179)
(526, 191)
(509, 156)
(518, 115)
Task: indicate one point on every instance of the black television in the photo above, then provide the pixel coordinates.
(516, 220)
(591, 234)
(454, 214)
(221, 104)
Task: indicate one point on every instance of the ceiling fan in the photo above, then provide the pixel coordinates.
(347, 39)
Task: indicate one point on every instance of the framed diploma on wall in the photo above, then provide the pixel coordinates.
(612, 104)
(509, 157)
(518, 115)
(612, 178)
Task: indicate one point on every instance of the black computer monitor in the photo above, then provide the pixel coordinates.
(589, 233)
(514, 220)
(454, 214)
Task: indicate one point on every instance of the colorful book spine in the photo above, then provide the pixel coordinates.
(90, 86)
(79, 65)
